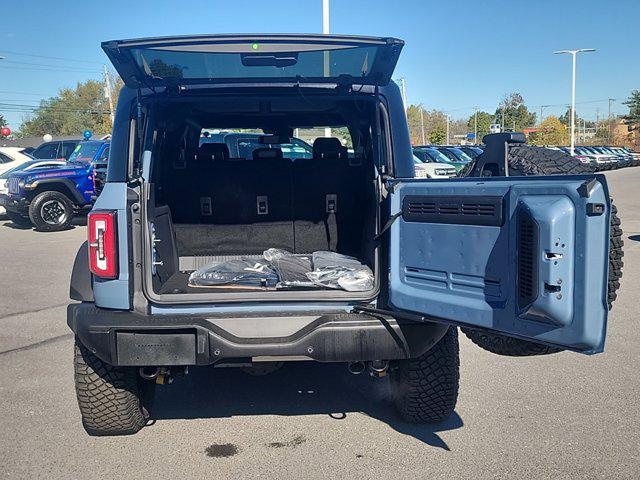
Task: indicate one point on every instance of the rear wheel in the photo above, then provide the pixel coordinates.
(426, 388)
(51, 211)
(528, 160)
(18, 219)
(112, 400)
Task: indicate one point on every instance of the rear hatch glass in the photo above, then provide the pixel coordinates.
(258, 58)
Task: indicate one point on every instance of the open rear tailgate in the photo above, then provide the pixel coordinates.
(204, 59)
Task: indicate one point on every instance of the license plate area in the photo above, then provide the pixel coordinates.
(155, 349)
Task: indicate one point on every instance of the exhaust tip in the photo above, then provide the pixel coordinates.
(149, 373)
(356, 368)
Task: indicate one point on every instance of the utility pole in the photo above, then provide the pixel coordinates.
(448, 116)
(502, 126)
(475, 127)
(609, 120)
(327, 64)
(422, 124)
(574, 54)
(108, 92)
(542, 107)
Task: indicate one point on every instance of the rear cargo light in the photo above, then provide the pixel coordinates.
(103, 251)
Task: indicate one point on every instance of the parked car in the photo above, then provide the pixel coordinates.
(11, 157)
(502, 256)
(429, 169)
(242, 145)
(29, 165)
(474, 151)
(455, 154)
(431, 154)
(601, 161)
(49, 198)
(55, 150)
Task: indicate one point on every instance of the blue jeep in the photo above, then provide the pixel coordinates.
(49, 198)
(520, 263)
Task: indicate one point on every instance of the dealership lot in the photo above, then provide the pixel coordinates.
(563, 415)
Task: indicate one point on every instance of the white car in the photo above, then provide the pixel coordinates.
(29, 164)
(433, 169)
(11, 157)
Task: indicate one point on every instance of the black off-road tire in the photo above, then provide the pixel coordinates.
(18, 219)
(112, 400)
(44, 199)
(426, 388)
(529, 160)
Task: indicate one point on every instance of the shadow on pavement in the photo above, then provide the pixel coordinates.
(296, 389)
(78, 221)
(635, 238)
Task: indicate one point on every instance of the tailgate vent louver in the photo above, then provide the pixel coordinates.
(527, 247)
(460, 210)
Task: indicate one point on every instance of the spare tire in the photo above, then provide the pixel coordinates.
(528, 160)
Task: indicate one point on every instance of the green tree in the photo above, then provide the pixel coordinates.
(632, 120)
(70, 112)
(432, 119)
(484, 121)
(550, 132)
(3, 122)
(437, 136)
(515, 113)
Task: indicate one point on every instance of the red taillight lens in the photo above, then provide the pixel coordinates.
(103, 249)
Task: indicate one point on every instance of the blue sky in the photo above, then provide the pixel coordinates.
(458, 54)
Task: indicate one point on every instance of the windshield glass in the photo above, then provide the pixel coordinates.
(255, 62)
(84, 152)
(437, 156)
(462, 157)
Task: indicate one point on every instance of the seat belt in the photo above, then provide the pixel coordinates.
(330, 222)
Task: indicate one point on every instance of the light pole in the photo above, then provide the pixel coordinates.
(403, 84)
(574, 53)
(448, 117)
(422, 124)
(325, 31)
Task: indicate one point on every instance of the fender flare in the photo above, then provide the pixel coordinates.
(69, 184)
(81, 287)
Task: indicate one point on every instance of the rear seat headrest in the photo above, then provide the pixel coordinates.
(266, 153)
(213, 152)
(328, 147)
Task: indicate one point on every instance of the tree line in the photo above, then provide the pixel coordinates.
(86, 106)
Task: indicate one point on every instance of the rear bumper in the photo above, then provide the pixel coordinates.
(129, 339)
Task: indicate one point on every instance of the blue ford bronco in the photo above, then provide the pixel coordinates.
(522, 264)
(49, 198)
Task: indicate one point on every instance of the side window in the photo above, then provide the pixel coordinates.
(4, 158)
(46, 151)
(104, 156)
(67, 149)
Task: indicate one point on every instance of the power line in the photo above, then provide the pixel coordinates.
(27, 93)
(48, 65)
(8, 52)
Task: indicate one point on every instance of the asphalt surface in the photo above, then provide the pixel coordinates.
(561, 416)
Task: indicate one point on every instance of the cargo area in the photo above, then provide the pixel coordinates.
(232, 189)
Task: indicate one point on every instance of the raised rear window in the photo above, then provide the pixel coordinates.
(267, 58)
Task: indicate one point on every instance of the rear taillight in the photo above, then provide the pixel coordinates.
(103, 250)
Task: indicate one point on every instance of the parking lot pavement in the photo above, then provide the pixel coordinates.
(561, 416)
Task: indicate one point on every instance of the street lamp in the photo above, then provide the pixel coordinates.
(325, 31)
(574, 53)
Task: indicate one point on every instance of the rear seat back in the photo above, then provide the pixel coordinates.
(303, 206)
(328, 204)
